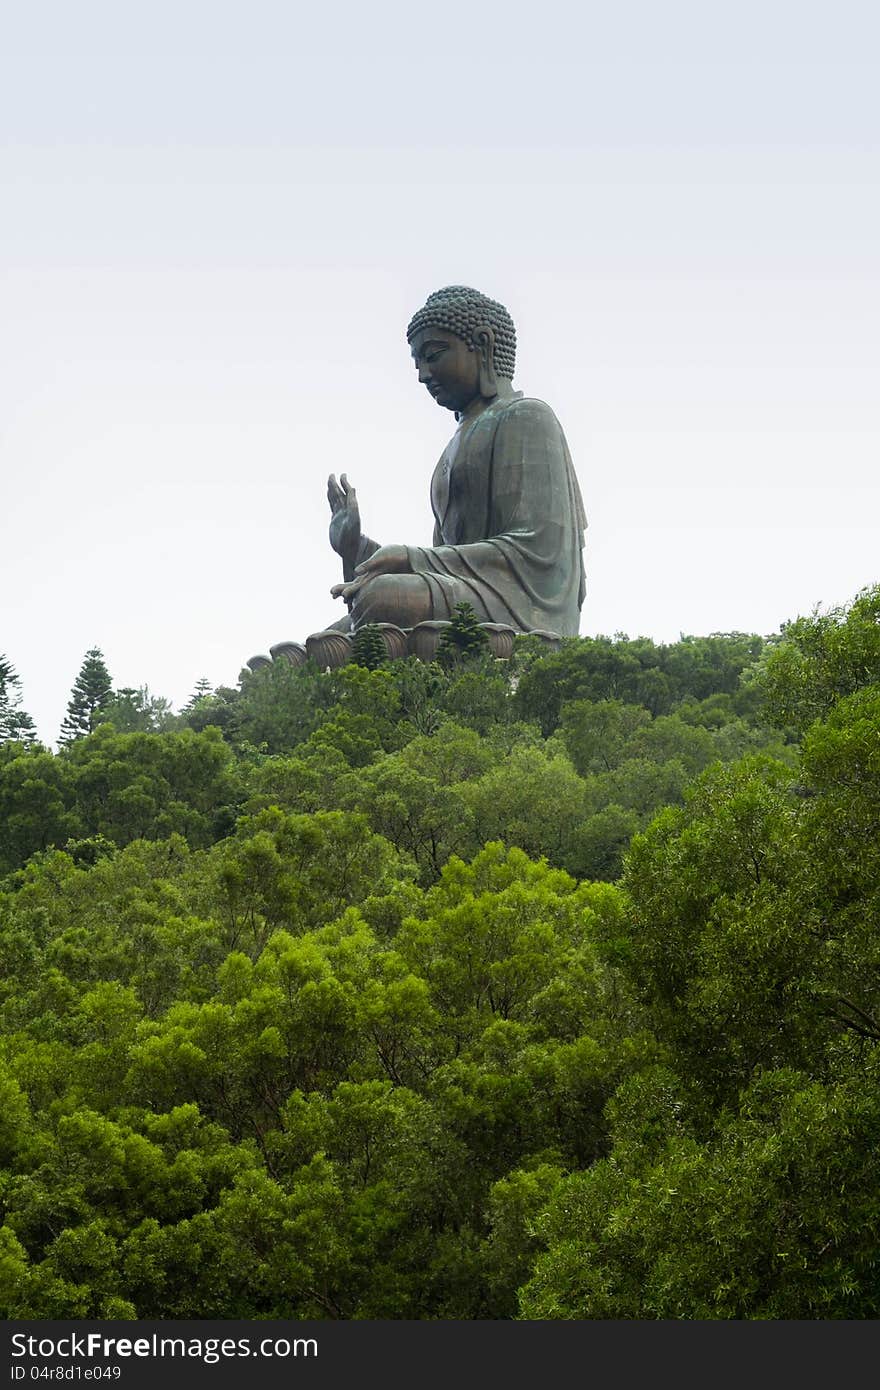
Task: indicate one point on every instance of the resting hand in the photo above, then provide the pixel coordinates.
(388, 559)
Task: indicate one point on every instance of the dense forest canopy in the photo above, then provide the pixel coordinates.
(546, 988)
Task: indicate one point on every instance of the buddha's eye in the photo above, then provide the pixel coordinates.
(433, 356)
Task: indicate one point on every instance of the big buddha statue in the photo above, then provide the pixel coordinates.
(508, 517)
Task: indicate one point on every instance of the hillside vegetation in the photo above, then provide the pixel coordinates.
(543, 989)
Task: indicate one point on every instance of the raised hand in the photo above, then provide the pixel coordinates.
(345, 521)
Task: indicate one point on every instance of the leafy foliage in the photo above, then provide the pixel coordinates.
(821, 659)
(131, 711)
(548, 989)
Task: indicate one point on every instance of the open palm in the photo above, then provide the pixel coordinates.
(345, 522)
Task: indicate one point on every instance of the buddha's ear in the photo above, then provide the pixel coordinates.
(484, 342)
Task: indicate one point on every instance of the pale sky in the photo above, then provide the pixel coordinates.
(218, 219)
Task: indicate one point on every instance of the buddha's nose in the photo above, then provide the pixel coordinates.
(424, 373)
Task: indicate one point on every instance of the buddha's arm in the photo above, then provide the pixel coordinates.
(365, 549)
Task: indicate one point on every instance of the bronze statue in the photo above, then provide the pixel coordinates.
(508, 515)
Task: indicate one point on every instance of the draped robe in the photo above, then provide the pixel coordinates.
(508, 529)
(508, 521)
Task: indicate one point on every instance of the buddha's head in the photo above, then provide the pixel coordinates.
(463, 345)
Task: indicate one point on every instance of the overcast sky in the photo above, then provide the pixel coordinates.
(218, 219)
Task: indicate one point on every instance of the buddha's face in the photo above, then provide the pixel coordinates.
(447, 367)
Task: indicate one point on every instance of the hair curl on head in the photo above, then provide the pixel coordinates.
(461, 310)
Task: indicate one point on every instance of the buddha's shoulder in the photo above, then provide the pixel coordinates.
(527, 410)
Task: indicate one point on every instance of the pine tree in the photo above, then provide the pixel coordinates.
(368, 647)
(15, 723)
(91, 694)
(203, 687)
(463, 639)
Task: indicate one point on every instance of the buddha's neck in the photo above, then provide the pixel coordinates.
(481, 403)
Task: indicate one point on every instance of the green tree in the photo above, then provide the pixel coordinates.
(277, 707)
(463, 639)
(201, 690)
(636, 671)
(598, 732)
(368, 647)
(533, 799)
(92, 692)
(600, 841)
(35, 804)
(478, 694)
(300, 871)
(420, 816)
(16, 724)
(220, 708)
(775, 1216)
(820, 659)
(130, 786)
(421, 686)
(130, 710)
(594, 669)
(722, 962)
